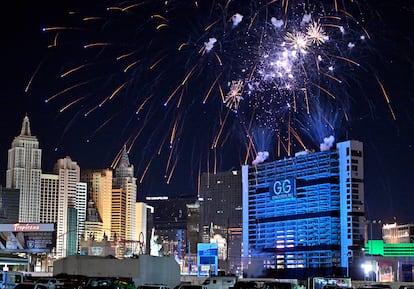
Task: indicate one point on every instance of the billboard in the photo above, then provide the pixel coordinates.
(207, 259)
(385, 272)
(337, 282)
(27, 237)
(282, 189)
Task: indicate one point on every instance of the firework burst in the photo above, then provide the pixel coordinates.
(234, 96)
(193, 75)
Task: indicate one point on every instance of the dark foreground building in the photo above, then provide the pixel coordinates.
(220, 200)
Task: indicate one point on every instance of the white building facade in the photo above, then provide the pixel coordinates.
(24, 172)
(49, 198)
(67, 223)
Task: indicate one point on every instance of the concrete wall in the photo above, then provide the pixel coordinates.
(145, 269)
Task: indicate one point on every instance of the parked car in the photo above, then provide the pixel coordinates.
(406, 287)
(108, 283)
(277, 285)
(220, 282)
(50, 283)
(8, 280)
(30, 286)
(153, 286)
(330, 286)
(376, 286)
(245, 285)
(189, 283)
(382, 285)
(191, 286)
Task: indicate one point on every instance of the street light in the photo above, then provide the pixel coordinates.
(369, 267)
(373, 222)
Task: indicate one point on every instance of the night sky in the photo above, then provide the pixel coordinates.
(388, 143)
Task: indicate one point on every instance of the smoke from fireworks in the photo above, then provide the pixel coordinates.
(327, 143)
(260, 158)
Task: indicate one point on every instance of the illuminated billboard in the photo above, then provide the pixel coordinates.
(27, 237)
(207, 259)
(337, 282)
(378, 247)
(283, 189)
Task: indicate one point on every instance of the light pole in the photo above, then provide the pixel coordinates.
(371, 222)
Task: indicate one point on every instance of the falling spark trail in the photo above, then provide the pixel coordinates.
(170, 156)
(211, 88)
(67, 90)
(126, 55)
(161, 145)
(141, 107)
(156, 63)
(145, 171)
(214, 144)
(116, 91)
(71, 104)
(32, 77)
(297, 137)
(332, 77)
(131, 65)
(74, 70)
(346, 59)
(323, 89)
(97, 44)
(172, 171)
(54, 44)
(387, 99)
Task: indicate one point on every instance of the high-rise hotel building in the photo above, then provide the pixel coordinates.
(49, 210)
(304, 216)
(24, 169)
(124, 179)
(71, 207)
(220, 202)
(99, 186)
(9, 205)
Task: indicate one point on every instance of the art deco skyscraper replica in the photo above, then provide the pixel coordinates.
(125, 180)
(24, 172)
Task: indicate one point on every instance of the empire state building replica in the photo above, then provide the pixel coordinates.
(24, 172)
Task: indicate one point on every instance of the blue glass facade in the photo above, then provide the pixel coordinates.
(297, 220)
(72, 237)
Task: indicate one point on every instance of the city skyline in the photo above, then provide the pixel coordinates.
(67, 197)
(388, 143)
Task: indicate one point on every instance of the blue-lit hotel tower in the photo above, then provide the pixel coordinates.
(304, 216)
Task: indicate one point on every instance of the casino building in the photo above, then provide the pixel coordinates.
(304, 215)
